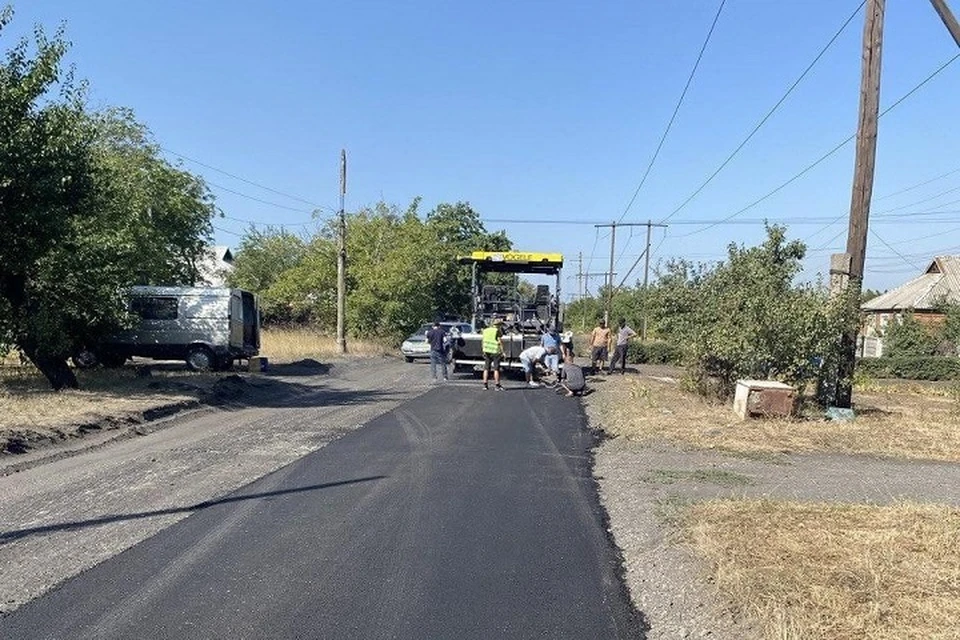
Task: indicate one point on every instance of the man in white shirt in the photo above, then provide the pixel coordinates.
(530, 358)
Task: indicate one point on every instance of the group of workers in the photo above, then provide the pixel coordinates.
(546, 355)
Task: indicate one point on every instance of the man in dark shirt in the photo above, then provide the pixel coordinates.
(571, 379)
(437, 338)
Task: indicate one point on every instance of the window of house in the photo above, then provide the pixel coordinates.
(154, 307)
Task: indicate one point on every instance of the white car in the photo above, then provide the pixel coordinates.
(416, 346)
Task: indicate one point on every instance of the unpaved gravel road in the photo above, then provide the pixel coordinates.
(98, 502)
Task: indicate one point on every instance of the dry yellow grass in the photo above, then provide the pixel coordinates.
(922, 423)
(28, 403)
(289, 345)
(812, 571)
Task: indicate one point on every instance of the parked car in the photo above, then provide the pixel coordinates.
(208, 327)
(416, 346)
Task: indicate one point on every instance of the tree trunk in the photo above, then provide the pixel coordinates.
(53, 368)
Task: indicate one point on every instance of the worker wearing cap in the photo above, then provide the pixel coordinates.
(492, 352)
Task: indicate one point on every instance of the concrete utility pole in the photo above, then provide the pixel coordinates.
(586, 291)
(342, 259)
(646, 278)
(580, 276)
(949, 21)
(613, 246)
(862, 192)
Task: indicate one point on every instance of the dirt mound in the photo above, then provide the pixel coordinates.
(310, 363)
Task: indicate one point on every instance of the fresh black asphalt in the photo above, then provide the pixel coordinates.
(462, 514)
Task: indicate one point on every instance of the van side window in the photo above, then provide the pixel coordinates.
(154, 307)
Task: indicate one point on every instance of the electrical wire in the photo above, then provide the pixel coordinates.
(676, 110)
(769, 113)
(822, 158)
(232, 233)
(920, 184)
(278, 224)
(250, 182)
(255, 199)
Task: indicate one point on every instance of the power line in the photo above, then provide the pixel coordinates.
(232, 233)
(255, 199)
(920, 184)
(801, 220)
(913, 204)
(278, 224)
(676, 110)
(822, 158)
(242, 179)
(770, 113)
(596, 240)
(887, 245)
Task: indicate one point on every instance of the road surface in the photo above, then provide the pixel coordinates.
(459, 514)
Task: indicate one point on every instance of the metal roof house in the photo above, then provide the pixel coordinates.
(214, 266)
(923, 296)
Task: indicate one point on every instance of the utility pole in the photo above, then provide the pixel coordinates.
(949, 21)
(586, 292)
(646, 278)
(613, 243)
(342, 259)
(862, 192)
(580, 276)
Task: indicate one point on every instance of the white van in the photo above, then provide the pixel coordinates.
(208, 327)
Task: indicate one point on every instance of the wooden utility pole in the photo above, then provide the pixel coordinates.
(862, 192)
(949, 21)
(342, 259)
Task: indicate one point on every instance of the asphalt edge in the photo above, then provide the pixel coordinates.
(597, 437)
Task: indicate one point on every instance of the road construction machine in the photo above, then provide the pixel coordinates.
(523, 317)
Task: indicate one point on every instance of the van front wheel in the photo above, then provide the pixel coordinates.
(200, 359)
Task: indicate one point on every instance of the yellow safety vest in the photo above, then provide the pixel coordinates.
(491, 340)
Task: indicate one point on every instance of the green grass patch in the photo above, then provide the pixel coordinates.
(712, 476)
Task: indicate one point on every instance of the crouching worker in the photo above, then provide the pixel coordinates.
(531, 358)
(571, 379)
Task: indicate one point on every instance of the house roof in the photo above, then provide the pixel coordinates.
(215, 265)
(939, 283)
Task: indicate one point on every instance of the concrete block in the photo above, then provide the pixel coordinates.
(764, 398)
(257, 364)
(839, 414)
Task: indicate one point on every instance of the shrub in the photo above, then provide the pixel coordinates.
(747, 318)
(654, 352)
(911, 367)
(909, 338)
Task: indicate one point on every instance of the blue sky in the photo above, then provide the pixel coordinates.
(539, 111)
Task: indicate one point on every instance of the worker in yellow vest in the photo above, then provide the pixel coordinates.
(492, 352)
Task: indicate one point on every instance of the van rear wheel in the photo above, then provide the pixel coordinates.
(112, 360)
(85, 359)
(201, 359)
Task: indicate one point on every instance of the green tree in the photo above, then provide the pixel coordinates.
(746, 318)
(87, 206)
(402, 268)
(907, 337)
(263, 258)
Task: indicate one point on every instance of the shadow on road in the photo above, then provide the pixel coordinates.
(9, 536)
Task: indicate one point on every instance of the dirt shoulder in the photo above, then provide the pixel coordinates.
(37, 423)
(70, 513)
(662, 464)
